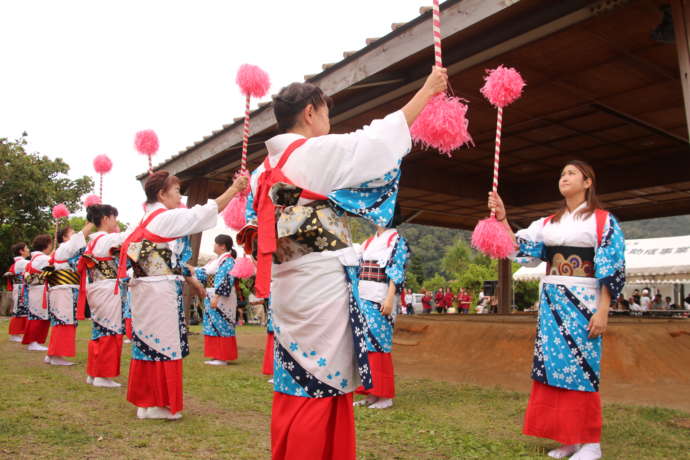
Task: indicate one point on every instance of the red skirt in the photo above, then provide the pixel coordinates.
(155, 384)
(104, 356)
(36, 331)
(221, 348)
(566, 416)
(128, 328)
(17, 325)
(62, 341)
(382, 376)
(312, 428)
(268, 355)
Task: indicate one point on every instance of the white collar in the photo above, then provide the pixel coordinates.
(36, 253)
(583, 205)
(18, 258)
(277, 144)
(96, 234)
(148, 208)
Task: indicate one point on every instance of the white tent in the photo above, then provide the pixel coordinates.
(647, 261)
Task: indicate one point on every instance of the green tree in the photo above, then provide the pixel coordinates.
(30, 185)
(415, 270)
(457, 257)
(437, 281)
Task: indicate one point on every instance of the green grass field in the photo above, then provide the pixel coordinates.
(50, 412)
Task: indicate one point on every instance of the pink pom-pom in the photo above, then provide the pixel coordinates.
(102, 164)
(503, 86)
(442, 124)
(253, 80)
(244, 268)
(234, 212)
(92, 200)
(146, 142)
(492, 238)
(60, 210)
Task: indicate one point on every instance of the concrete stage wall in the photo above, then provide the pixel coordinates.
(646, 361)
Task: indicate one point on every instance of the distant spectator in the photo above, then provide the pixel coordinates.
(439, 300)
(658, 303)
(448, 298)
(636, 296)
(426, 302)
(622, 304)
(409, 299)
(669, 303)
(645, 300)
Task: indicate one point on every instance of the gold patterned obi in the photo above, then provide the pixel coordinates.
(570, 261)
(148, 259)
(100, 268)
(35, 279)
(62, 277)
(303, 229)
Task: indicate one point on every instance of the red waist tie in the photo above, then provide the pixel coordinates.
(265, 210)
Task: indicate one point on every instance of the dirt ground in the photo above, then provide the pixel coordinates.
(646, 361)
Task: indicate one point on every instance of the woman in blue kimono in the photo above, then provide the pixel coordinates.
(382, 276)
(220, 303)
(584, 248)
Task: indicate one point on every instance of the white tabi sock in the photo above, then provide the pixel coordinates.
(161, 412)
(58, 361)
(105, 383)
(89, 380)
(382, 403)
(46, 359)
(35, 346)
(371, 399)
(16, 338)
(588, 452)
(216, 362)
(564, 451)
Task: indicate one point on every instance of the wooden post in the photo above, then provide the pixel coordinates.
(681, 28)
(505, 286)
(197, 193)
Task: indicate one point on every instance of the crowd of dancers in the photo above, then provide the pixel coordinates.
(332, 303)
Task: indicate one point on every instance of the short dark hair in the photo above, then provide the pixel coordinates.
(226, 240)
(17, 248)
(41, 242)
(62, 232)
(292, 99)
(95, 213)
(156, 182)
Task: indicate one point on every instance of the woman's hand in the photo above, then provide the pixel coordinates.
(240, 184)
(597, 325)
(436, 82)
(496, 204)
(387, 306)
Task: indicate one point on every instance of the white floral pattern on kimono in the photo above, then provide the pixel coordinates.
(564, 355)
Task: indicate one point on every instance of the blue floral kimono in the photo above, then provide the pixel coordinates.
(219, 322)
(302, 368)
(384, 259)
(583, 256)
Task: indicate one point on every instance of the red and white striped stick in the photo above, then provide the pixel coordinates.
(497, 152)
(100, 192)
(245, 137)
(436, 20)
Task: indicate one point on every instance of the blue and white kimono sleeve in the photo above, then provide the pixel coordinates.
(200, 274)
(397, 264)
(609, 258)
(249, 212)
(531, 249)
(373, 200)
(224, 281)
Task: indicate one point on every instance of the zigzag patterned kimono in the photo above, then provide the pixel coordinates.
(20, 294)
(580, 263)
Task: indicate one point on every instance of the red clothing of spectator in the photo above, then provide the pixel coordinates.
(426, 302)
(448, 299)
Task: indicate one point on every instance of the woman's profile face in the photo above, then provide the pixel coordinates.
(171, 197)
(572, 181)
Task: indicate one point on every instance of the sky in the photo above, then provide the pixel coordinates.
(82, 77)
